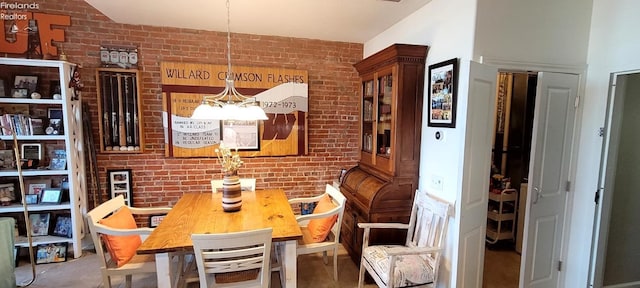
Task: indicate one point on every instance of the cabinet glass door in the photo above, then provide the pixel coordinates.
(367, 116)
(384, 108)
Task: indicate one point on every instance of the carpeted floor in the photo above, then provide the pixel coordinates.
(501, 271)
(84, 272)
(501, 267)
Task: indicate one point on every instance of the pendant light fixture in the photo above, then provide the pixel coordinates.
(229, 104)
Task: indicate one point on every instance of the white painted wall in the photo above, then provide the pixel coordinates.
(446, 26)
(611, 49)
(543, 31)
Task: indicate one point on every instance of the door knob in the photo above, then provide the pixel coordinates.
(538, 195)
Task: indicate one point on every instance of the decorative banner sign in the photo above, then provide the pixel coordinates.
(35, 31)
(282, 93)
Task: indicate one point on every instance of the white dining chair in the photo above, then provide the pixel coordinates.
(235, 259)
(108, 266)
(309, 245)
(246, 184)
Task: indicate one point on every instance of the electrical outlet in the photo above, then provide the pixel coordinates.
(437, 182)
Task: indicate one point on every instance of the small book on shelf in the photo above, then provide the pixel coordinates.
(37, 126)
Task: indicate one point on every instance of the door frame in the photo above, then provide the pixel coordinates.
(603, 208)
(580, 70)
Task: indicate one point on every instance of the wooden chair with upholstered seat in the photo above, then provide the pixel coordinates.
(237, 259)
(416, 262)
(321, 229)
(246, 184)
(121, 236)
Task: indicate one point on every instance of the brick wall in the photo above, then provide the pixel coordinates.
(160, 181)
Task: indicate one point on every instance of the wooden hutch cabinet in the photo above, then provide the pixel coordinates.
(381, 187)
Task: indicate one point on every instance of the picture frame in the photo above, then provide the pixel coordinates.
(7, 193)
(30, 82)
(31, 198)
(52, 253)
(63, 225)
(56, 126)
(39, 223)
(31, 151)
(58, 160)
(154, 220)
(19, 92)
(443, 96)
(120, 183)
(7, 159)
(51, 196)
(36, 185)
(241, 135)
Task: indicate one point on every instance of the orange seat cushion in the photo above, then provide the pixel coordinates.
(319, 228)
(121, 248)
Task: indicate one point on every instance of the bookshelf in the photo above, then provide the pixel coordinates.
(64, 135)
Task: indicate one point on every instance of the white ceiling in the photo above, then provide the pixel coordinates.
(334, 20)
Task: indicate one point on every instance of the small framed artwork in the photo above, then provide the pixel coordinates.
(39, 223)
(63, 226)
(31, 198)
(58, 160)
(19, 92)
(55, 122)
(51, 196)
(154, 220)
(51, 253)
(443, 78)
(36, 185)
(7, 193)
(29, 82)
(7, 160)
(120, 183)
(31, 151)
(241, 135)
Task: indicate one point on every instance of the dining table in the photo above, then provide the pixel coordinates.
(202, 213)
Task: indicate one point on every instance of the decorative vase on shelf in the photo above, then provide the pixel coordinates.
(231, 192)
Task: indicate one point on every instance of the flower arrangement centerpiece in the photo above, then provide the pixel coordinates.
(229, 160)
(231, 190)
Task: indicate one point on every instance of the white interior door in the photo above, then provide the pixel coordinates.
(549, 177)
(475, 187)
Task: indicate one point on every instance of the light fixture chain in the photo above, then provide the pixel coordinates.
(229, 73)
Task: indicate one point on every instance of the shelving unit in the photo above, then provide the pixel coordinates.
(71, 140)
(501, 215)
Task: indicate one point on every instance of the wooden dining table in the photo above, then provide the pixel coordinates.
(202, 213)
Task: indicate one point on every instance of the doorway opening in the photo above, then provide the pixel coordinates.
(511, 150)
(614, 256)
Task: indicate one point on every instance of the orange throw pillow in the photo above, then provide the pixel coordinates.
(319, 228)
(121, 248)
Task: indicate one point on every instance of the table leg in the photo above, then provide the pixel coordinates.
(163, 270)
(290, 263)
